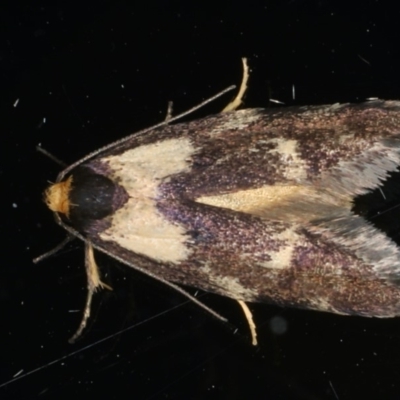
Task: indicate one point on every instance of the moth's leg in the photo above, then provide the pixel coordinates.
(237, 101)
(168, 115)
(93, 283)
(249, 317)
(51, 156)
(53, 251)
(234, 104)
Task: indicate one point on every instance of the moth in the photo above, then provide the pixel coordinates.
(251, 204)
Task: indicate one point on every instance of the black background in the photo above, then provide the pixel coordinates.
(75, 76)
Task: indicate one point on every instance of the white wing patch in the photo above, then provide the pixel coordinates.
(138, 226)
(295, 166)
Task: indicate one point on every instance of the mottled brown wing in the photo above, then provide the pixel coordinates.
(256, 205)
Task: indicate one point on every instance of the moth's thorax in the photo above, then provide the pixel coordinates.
(85, 196)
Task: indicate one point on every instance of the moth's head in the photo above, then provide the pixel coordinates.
(56, 196)
(84, 196)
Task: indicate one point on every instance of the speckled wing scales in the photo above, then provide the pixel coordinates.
(256, 205)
